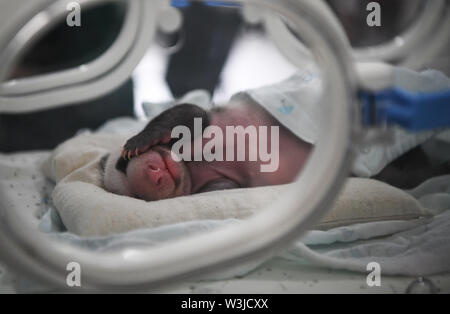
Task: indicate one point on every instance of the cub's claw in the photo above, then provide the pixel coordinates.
(130, 152)
(128, 155)
(142, 142)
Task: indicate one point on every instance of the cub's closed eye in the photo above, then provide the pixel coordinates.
(219, 184)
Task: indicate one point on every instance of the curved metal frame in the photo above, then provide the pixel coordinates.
(286, 41)
(88, 81)
(410, 40)
(83, 73)
(398, 49)
(34, 254)
(441, 38)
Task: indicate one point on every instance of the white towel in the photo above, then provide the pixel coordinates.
(87, 209)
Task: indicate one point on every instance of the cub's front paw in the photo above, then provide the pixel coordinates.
(143, 142)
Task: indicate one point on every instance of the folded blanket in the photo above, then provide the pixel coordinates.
(87, 209)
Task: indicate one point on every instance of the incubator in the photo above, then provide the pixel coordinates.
(357, 110)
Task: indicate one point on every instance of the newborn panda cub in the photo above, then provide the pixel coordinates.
(146, 169)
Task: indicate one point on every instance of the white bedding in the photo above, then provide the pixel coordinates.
(409, 247)
(413, 248)
(418, 247)
(88, 210)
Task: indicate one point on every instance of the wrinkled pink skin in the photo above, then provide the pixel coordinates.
(154, 175)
